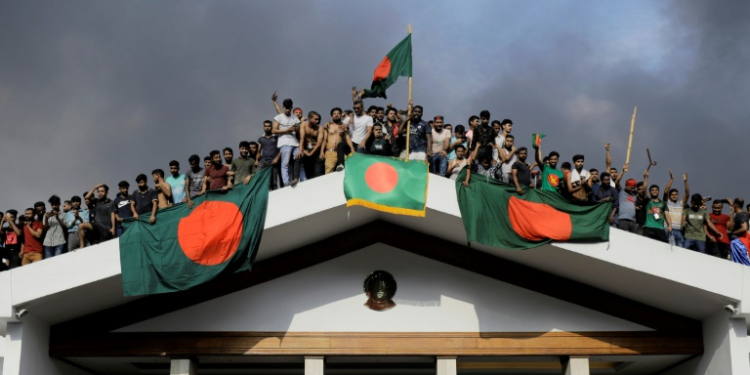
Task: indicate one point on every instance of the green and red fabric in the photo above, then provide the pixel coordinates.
(396, 63)
(536, 139)
(386, 184)
(495, 215)
(220, 235)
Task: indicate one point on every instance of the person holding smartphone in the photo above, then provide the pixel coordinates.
(54, 226)
(459, 138)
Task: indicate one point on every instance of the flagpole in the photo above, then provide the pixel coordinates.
(632, 129)
(408, 113)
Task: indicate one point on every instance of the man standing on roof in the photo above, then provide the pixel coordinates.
(440, 144)
(176, 182)
(551, 176)
(676, 206)
(720, 247)
(738, 225)
(657, 213)
(695, 220)
(33, 231)
(360, 126)
(420, 137)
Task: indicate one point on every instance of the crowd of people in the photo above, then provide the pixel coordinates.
(299, 147)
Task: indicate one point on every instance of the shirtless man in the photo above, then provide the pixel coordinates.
(162, 188)
(334, 132)
(312, 140)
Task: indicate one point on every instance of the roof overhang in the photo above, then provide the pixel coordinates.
(654, 274)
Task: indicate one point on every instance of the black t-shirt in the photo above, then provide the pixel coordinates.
(523, 174)
(379, 147)
(144, 202)
(740, 218)
(640, 213)
(11, 240)
(122, 207)
(102, 211)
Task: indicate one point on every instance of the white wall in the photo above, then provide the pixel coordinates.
(431, 297)
(27, 351)
(725, 346)
(725, 349)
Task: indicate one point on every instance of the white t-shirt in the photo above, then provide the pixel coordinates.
(438, 140)
(500, 142)
(507, 167)
(358, 130)
(286, 122)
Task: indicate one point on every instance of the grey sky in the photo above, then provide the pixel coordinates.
(94, 91)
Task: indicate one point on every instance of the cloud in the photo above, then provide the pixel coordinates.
(99, 91)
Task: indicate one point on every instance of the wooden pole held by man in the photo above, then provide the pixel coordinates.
(408, 114)
(632, 129)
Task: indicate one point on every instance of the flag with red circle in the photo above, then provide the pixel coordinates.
(386, 184)
(185, 247)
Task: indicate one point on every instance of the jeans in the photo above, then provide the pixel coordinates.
(119, 231)
(289, 155)
(677, 238)
(438, 164)
(699, 246)
(53, 251)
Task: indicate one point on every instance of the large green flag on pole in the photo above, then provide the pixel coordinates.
(495, 215)
(396, 63)
(386, 184)
(185, 247)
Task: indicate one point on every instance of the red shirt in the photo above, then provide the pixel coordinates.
(218, 176)
(720, 222)
(31, 243)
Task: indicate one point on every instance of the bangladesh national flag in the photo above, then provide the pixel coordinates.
(186, 247)
(396, 63)
(536, 139)
(494, 214)
(386, 184)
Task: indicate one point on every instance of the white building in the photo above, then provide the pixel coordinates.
(631, 306)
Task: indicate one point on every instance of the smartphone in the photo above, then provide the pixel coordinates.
(708, 198)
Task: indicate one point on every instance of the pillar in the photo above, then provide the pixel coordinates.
(446, 366)
(575, 365)
(183, 366)
(314, 365)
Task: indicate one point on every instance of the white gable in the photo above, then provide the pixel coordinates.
(431, 297)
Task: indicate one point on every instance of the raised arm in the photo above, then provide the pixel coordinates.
(538, 156)
(608, 159)
(91, 192)
(665, 196)
(276, 103)
(619, 176)
(687, 189)
(355, 94)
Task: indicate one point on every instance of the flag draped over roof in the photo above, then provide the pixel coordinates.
(396, 63)
(386, 184)
(495, 215)
(186, 247)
